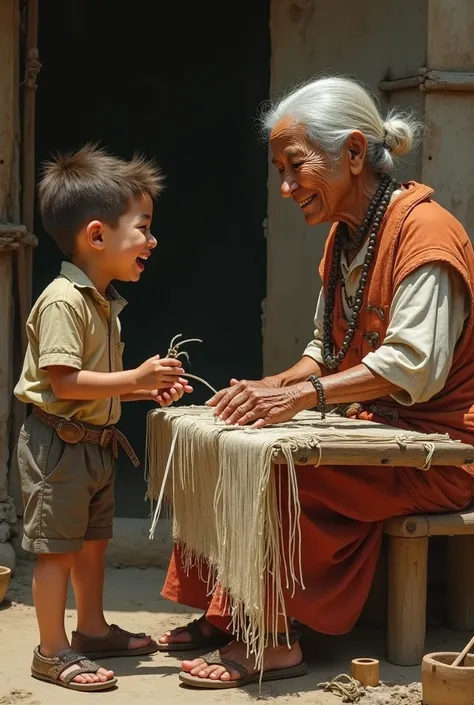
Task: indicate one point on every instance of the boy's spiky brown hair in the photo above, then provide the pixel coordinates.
(90, 184)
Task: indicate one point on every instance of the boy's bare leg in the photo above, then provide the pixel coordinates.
(87, 577)
(50, 581)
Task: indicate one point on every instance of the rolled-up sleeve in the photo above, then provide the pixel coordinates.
(61, 336)
(426, 320)
(314, 349)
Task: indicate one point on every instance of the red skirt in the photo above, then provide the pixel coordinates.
(343, 510)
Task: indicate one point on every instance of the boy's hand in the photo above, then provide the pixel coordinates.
(166, 397)
(159, 374)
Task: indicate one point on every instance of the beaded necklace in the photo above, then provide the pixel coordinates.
(371, 223)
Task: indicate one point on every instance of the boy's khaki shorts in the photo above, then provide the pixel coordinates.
(68, 490)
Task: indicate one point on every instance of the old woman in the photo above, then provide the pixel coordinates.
(393, 342)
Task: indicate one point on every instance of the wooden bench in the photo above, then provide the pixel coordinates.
(407, 579)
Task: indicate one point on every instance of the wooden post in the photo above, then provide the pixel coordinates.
(461, 582)
(29, 111)
(450, 49)
(24, 256)
(8, 94)
(7, 134)
(17, 413)
(407, 589)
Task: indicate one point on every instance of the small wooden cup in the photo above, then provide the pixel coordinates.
(366, 671)
(5, 574)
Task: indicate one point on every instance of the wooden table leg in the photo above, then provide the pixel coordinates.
(461, 582)
(407, 589)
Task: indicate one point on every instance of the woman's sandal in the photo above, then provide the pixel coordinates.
(50, 669)
(246, 678)
(112, 645)
(198, 639)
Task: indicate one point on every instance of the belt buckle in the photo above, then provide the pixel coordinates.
(106, 437)
(71, 432)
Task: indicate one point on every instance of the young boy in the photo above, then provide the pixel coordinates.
(98, 208)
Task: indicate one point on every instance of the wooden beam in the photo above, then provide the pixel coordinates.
(448, 81)
(389, 454)
(400, 84)
(450, 524)
(429, 81)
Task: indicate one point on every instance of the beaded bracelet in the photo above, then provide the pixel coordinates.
(317, 384)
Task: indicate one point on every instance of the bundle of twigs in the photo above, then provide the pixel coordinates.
(174, 351)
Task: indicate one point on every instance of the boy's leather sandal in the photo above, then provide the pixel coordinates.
(114, 644)
(50, 669)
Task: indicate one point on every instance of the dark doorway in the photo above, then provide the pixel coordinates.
(180, 82)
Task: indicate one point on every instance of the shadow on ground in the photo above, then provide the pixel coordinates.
(133, 600)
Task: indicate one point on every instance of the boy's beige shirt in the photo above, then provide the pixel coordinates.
(71, 324)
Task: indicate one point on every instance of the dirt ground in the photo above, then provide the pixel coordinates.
(133, 601)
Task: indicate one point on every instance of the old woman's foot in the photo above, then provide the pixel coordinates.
(198, 634)
(231, 668)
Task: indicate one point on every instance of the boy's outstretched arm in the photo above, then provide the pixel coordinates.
(153, 374)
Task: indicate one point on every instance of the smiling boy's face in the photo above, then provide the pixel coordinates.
(125, 248)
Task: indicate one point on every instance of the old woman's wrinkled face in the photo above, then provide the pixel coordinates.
(319, 186)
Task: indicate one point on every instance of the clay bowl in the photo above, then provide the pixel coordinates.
(5, 574)
(444, 685)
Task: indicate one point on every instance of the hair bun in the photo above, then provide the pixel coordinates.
(400, 134)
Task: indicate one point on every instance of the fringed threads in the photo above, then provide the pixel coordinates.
(227, 504)
(225, 508)
(162, 490)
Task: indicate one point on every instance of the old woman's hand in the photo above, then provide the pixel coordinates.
(257, 402)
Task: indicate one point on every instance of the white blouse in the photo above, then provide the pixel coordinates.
(426, 319)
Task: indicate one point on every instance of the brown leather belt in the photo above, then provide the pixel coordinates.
(73, 432)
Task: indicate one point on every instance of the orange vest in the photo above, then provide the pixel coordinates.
(414, 232)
